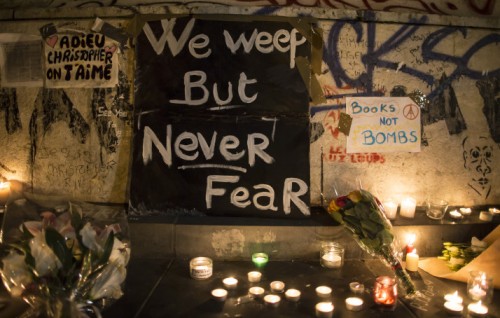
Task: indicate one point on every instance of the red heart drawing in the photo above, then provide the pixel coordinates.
(111, 49)
(51, 40)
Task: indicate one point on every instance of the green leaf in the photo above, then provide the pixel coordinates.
(370, 226)
(108, 247)
(385, 237)
(337, 217)
(76, 218)
(58, 245)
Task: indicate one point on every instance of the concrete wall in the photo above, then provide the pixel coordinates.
(450, 61)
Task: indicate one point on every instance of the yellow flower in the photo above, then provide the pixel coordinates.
(333, 207)
(354, 196)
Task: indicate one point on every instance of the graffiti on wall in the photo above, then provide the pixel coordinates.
(478, 161)
(443, 7)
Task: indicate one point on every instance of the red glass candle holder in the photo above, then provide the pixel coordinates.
(385, 291)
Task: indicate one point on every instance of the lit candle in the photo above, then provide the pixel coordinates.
(230, 282)
(323, 291)
(390, 209)
(292, 294)
(385, 291)
(494, 210)
(454, 308)
(357, 288)
(272, 300)
(324, 310)
(4, 193)
(412, 261)
(354, 303)
(277, 286)
(485, 216)
(254, 276)
(201, 267)
(410, 240)
(476, 292)
(219, 294)
(477, 309)
(455, 215)
(256, 291)
(408, 206)
(331, 260)
(466, 211)
(260, 259)
(454, 298)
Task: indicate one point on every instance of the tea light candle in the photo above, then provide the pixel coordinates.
(277, 286)
(219, 294)
(331, 260)
(254, 276)
(272, 300)
(412, 261)
(256, 291)
(466, 211)
(485, 216)
(476, 292)
(354, 303)
(455, 215)
(391, 209)
(477, 309)
(453, 308)
(454, 298)
(324, 310)
(494, 210)
(408, 206)
(292, 294)
(323, 291)
(230, 282)
(357, 288)
(260, 259)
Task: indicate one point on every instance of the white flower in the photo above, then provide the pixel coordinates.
(89, 238)
(46, 262)
(15, 273)
(120, 254)
(108, 283)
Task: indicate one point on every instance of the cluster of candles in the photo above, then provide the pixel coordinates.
(453, 303)
(479, 290)
(407, 210)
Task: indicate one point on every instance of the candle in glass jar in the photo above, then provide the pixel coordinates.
(260, 259)
(412, 261)
(201, 267)
(385, 291)
(408, 206)
(390, 209)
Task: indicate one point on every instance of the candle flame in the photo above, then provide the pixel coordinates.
(410, 238)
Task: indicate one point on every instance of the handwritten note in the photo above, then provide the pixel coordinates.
(383, 124)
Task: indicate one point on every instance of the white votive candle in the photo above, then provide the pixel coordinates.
(494, 210)
(354, 303)
(323, 291)
(324, 310)
(230, 282)
(453, 308)
(219, 294)
(331, 260)
(254, 276)
(391, 209)
(477, 309)
(272, 300)
(485, 216)
(256, 291)
(466, 211)
(277, 286)
(408, 206)
(357, 288)
(454, 298)
(412, 261)
(292, 294)
(455, 215)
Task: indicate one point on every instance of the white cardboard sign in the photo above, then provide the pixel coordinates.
(383, 124)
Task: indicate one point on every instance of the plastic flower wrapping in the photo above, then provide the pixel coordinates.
(363, 215)
(66, 259)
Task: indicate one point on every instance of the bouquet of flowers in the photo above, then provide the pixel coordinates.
(68, 263)
(363, 215)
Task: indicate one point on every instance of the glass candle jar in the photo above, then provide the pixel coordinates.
(331, 255)
(385, 291)
(201, 267)
(480, 287)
